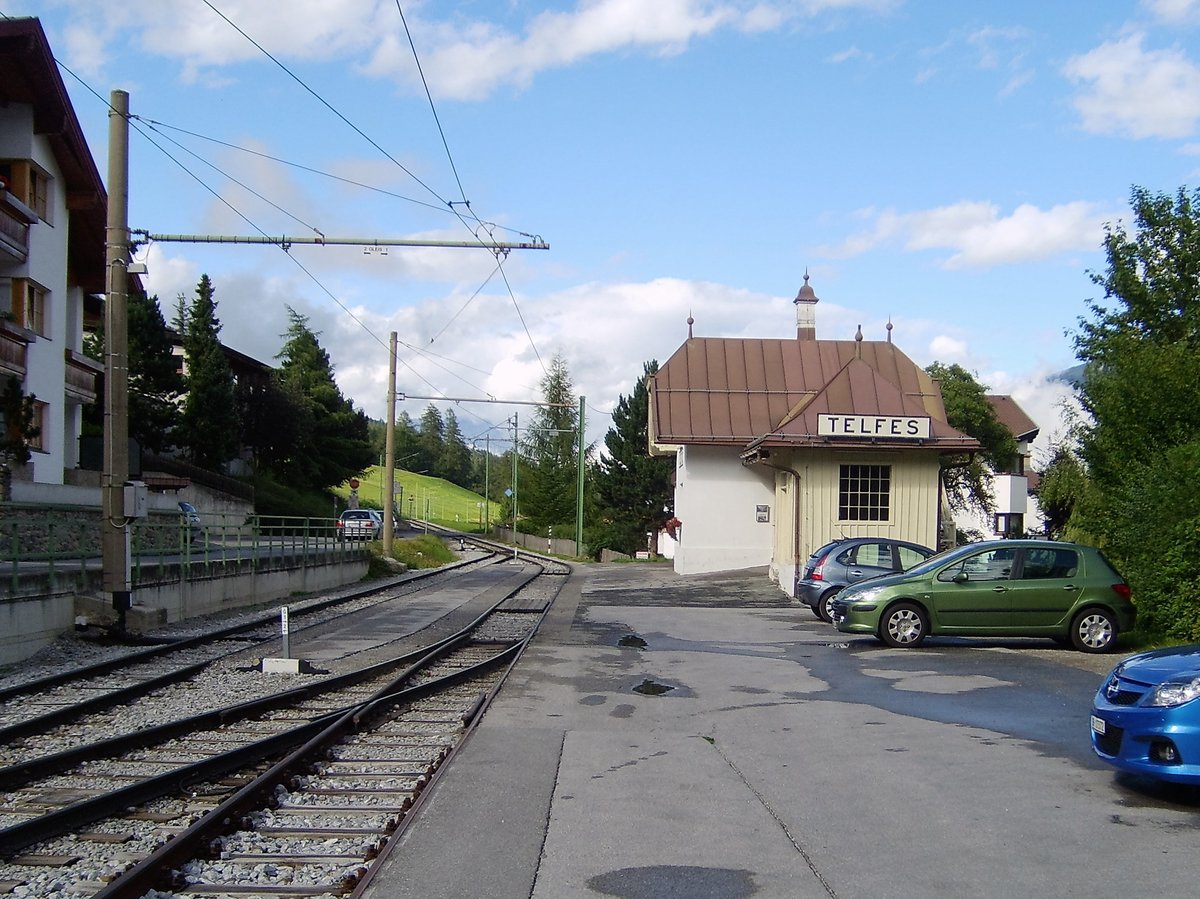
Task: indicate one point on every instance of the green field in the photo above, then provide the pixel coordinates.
(420, 496)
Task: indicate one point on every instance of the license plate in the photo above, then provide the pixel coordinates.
(1098, 725)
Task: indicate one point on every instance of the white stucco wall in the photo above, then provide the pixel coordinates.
(47, 265)
(716, 498)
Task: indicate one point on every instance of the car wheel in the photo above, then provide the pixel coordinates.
(903, 625)
(816, 609)
(825, 605)
(1093, 630)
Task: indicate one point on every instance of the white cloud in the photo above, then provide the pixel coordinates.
(977, 236)
(1175, 12)
(948, 349)
(1136, 92)
(461, 58)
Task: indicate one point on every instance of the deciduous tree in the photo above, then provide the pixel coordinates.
(967, 478)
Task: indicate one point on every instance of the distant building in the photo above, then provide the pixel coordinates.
(52, 247)
(781, 445)
(1016, 511)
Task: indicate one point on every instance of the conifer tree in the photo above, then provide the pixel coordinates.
(632, 487)
(337, 446)
(209, 427)
(548, 497)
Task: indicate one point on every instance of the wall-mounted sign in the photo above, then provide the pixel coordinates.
(762, 513)
(887, 427)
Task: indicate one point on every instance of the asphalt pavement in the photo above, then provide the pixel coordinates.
(704, 737)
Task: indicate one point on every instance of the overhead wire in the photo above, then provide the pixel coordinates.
(385, 153)
(150, 124)
(144, 133)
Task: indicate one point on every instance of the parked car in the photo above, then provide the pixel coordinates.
(190, 519)
(359, 524)
(1012, 588)
(1146, 715)
(850, 560)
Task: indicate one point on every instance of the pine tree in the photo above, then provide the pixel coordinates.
(209, 427)
(431, 436)
(455, 462)
(155, 384)
(548, 497)
(633, 488)
(337, 447)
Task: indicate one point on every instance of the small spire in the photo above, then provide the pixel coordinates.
(889, 329)
(691, 321)
(806, 312)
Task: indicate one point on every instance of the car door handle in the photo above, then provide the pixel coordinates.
(999, 589)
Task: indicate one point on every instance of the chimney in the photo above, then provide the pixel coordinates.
(806, 311)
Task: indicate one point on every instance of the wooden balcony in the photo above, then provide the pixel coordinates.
(79, 384)
(14, 342)
(15, 219)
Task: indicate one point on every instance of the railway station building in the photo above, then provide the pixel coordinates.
(782, 445)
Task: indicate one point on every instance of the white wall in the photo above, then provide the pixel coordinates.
(716, 498)
(47, 265)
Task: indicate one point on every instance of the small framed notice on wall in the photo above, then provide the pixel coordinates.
(762, 513)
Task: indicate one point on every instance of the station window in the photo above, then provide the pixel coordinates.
(864, 493)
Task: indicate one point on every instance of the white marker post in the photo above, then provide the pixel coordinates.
(285, 665)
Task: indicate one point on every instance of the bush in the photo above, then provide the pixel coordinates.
(426, 551)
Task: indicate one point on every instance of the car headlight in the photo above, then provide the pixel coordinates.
(1175, 692)
(866, 594)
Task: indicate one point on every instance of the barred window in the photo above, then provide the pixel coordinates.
(864, 493)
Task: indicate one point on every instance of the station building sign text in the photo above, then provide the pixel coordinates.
(887, 427)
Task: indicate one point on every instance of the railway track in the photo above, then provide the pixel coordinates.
(321, 782)
(36, 706)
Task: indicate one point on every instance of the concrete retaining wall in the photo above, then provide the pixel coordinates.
(28, 623)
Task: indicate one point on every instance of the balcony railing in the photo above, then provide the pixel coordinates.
(14, 341)
(15, 219)
(80, 382)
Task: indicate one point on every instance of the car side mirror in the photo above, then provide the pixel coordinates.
(961, 577)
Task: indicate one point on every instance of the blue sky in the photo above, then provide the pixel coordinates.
(947, 166)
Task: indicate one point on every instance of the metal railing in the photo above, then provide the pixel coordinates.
(57, 550)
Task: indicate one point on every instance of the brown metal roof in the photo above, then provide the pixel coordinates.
(730, 391)
(1013, 417)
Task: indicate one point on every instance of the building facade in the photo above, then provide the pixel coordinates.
(782, 445)
(52, 248)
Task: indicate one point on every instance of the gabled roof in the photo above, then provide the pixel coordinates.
(1013, 417)
(29, 75)
(738, 392)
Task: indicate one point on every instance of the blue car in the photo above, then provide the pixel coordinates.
(1146, 715)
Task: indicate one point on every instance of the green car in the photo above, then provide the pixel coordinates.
(998, 588)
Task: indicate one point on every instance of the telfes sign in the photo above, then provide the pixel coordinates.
(894, 427)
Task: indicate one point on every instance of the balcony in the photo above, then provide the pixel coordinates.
(14, 343)
(79, 384)
(15, 219)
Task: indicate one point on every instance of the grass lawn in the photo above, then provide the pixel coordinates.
(421, 496)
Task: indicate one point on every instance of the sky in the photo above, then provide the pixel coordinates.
(946, 167)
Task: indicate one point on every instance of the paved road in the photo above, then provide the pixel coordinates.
(784, 760)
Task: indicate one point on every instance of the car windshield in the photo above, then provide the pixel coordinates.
(937, 561)
(355, 515)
